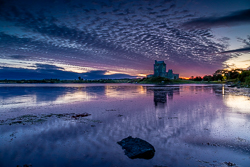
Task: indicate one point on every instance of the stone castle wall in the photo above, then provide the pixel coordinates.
(160, 71)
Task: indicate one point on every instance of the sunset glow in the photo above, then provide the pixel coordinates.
(121, 39)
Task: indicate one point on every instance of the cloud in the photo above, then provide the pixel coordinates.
(19, 57)
(48, 67)
(101, 75)
(236, 50)
(128, 43)
(245, 60)
(235, 18)
(245, 41)
(46, 71)
(39, 73)
(2, 3)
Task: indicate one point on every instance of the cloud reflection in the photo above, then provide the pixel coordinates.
(238, 103)
(191, 116)
(44, 94)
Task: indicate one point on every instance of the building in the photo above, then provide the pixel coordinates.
(160, 71)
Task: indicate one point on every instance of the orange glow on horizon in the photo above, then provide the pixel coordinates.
(141, 75)
(186, 78)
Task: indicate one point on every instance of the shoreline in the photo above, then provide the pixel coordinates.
(124, 81)
(133, 81)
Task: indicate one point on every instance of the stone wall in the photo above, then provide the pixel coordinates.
(160, 71)
(159, 68)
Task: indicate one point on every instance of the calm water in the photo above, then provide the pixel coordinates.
(189, 125)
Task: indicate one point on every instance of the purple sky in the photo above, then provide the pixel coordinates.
(121, 38)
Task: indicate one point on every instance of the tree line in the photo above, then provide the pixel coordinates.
(235, 75)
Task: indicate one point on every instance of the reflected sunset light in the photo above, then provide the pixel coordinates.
(238, 103)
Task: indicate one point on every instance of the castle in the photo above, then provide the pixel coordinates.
(160, 71)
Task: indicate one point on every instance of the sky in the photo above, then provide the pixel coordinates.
(94, 39)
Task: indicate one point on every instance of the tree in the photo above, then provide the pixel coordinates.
(243, 75)
(217, 77)
(207, 78)
(198, 78)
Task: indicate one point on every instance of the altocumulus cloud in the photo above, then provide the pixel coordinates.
(123, 36)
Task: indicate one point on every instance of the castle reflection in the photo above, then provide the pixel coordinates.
(177, 120)
(161, 94)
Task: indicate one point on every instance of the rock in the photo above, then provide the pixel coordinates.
(17, 122)
(25, 165)
(80, 115)
(137, 148)
(229, 164)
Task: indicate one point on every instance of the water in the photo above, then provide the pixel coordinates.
(188, 125)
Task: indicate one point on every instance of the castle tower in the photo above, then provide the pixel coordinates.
(159, 69)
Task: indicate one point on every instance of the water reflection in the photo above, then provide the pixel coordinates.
(162, 93)
(236, 99)
(114, 91)
(239, 103)
(34, 96)
(191, 125)
(44, 94)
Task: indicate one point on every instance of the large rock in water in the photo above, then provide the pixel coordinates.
(137, 148)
